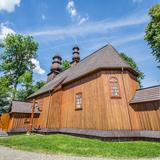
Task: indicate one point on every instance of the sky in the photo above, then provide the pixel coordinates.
(58, 25)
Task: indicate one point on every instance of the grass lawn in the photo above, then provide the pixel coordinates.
(70, 145)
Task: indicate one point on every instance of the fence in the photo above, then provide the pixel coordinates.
(4, 121)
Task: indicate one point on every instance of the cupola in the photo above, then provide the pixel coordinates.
(55, 68)
(76, 57)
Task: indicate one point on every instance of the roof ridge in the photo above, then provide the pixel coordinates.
(94, 52)
(106, 45)
(82, 60)
(105, 57)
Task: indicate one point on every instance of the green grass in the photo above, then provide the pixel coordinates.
(70, 145)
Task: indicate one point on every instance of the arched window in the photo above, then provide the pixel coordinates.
(114, 87)
(79, 101)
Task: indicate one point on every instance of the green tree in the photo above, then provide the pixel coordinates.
(27, 90)
(65, 65)
(16, 60)
(133, 65)
(152, 33)
(4, 95)
(38, 85)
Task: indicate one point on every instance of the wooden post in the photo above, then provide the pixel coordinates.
(32, 116)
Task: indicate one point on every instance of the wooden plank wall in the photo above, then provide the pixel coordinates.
(53, 119)
(116, 109)
(44, 102)
(21, 120)
(4, 121)
(102, 112)
(131, 86)
(50, 105)
(149, 115)
(99, 110)
(0, 122)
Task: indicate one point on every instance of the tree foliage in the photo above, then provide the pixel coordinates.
(134, 66)
(65, 65)
(27, 90)
(16, 60)
(16, 67)
(4, 95)
(152, 33)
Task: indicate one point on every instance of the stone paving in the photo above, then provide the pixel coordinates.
(12, 154)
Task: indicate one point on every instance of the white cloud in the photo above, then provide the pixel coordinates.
(71, 8)
(4, 30)
(137, 1)
(43, 16)
(82, 20)
(130, 38)
(38, 68)
(94, 27)
(9, 5)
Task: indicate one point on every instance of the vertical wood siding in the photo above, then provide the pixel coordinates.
(99, 110)
(53, 119)
(148, 114)
(44, 102)
(21, 120)
(102, 112)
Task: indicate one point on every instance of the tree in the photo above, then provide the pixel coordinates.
(4, 95)
(152, 32)
(65, 65)
(134, 66)
(23, 93)
(16, 60)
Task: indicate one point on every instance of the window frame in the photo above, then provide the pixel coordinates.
(78, 108)
(111, 89)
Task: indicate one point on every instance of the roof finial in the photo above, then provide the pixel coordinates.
(76, 57)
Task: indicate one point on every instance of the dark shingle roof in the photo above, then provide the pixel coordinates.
(22, 107)
(147, 95)
(105, 57)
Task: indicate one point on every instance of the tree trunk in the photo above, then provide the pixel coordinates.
(15, 89)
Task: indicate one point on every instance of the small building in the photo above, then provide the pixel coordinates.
(20, 116)
(97, 96)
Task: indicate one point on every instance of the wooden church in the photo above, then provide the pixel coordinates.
(97, 96)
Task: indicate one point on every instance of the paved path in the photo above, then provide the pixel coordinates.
(12, 154)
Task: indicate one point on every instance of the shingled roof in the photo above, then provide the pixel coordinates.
(146, 95)
(106, 57)
(22, 107)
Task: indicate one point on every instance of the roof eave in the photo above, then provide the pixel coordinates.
(101, 68)
(145, 101)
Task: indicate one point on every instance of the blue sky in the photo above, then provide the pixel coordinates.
(59, 24)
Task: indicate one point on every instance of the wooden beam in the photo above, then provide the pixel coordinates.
(32, 116)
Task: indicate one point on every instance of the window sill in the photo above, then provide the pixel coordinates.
(116, 97)
(78, 109)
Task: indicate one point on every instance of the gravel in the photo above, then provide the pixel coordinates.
(12, 154)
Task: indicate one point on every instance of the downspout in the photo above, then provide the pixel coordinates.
(124, 88)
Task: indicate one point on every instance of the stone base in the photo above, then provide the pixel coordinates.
(114, 134)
